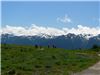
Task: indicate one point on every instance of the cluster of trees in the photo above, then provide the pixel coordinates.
(38, 46)
(96, 48)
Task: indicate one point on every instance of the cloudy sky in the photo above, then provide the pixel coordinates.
(70, 15)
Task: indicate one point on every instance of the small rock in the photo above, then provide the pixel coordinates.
(11, 72)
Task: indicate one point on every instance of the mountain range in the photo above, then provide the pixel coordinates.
(68, 41)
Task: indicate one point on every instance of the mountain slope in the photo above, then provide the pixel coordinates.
(69, 41)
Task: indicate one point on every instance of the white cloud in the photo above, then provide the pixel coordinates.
(33, 30)
(83, 30)
(64, 19)
(38, 30)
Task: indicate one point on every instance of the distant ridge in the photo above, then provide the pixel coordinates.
(69, 41)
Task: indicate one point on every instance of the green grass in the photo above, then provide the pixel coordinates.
(28, 60)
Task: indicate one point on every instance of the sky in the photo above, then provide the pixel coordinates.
(51, 14)
(55, 18)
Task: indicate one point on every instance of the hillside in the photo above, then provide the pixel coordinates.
(34, 60)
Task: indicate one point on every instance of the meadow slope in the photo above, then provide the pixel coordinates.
(32, 60)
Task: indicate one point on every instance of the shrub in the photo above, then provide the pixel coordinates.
(37, 66)
(54, 57)
(36, 46)
(48, 66)
(95, 46)
(57, 63)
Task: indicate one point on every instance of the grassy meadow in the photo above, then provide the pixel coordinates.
(31, 60)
